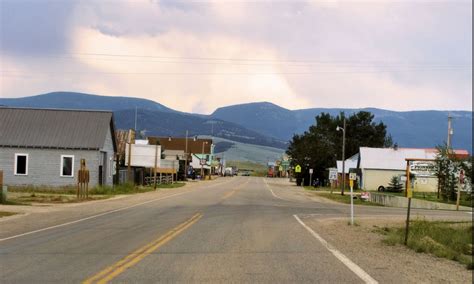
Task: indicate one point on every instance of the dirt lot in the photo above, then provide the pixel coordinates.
(387, 264)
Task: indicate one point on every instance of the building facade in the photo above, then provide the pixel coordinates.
(44, 147)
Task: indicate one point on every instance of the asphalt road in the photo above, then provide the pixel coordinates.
(239, 229)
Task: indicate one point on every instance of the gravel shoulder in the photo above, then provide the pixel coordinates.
(387, 264)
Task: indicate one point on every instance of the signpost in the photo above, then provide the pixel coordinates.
(352, 177)
(298, 175)
(298, 169)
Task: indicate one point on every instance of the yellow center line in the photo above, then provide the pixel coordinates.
(229, 194)
(133, 258)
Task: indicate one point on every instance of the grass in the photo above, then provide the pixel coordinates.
(29, 195)
(6, 214)
(28, 199)
(130, 189)
(336, 196)
(451, 240)
(465, 200)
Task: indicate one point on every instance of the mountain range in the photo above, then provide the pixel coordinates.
(261, 123)
(411, 129)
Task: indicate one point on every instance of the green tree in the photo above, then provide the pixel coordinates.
(447, 172)
(321, 145)
(395, 184)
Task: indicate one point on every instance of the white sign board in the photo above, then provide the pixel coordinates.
(423, 169)
(169, 164)
(143, 155)
(310, 171)
(352, 176)
(333, 174)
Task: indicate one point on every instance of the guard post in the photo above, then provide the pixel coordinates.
(409, 194)
(352, 177)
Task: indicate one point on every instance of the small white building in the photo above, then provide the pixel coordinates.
(378, 165)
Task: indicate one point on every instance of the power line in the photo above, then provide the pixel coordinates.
(12, 73)
(246, 61)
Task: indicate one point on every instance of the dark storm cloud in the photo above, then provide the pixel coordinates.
(30, 27)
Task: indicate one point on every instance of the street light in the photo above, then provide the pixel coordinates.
(202, 158)
(186, 159)
(343, 154)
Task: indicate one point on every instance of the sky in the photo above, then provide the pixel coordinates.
(196, 56)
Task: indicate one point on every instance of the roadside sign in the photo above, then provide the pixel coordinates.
(351, 183)
(409, 192)
(202, 162)
(298, 169)
(280, 168)
(423, 168)
(333, 174)
(310, 171)
(403, 178)
(352, 176)
(365, 196)
(285, 163)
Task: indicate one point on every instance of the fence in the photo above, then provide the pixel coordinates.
(164, 179)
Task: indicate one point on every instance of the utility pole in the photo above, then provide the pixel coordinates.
(343, 129)
(156, 165)
(450, 131)
(202, 159)
(135, 119)
(186, 159)
(130, 139)
(343, 156)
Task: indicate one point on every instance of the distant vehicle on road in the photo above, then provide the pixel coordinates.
(228, 172)
(245, 173)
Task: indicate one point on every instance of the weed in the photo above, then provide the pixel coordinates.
(451, 240)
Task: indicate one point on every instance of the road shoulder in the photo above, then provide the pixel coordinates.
(383, 262)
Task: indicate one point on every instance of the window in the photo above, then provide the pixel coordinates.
(67, 166)
(21, 164)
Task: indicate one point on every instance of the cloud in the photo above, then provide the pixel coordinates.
(191, 85)
(31, 27)
(391, 54)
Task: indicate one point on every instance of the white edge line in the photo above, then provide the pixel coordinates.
(90, 217)
(344, 259)
(102, 214)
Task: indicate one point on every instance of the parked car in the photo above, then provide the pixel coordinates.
(245, 173)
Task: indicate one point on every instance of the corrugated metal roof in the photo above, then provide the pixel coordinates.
(53, 128)
(391, 159)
